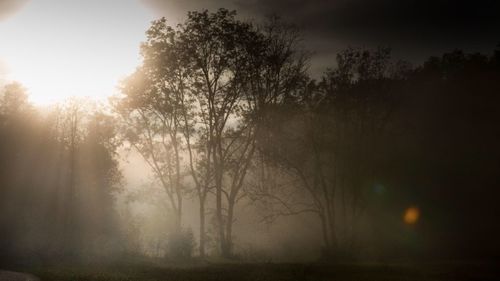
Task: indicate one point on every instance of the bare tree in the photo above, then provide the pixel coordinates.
(329, 143)
(151, 117)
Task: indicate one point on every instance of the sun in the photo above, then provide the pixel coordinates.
(53, 79)
(63, 49)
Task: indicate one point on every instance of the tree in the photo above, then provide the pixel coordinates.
(58, 173)
(212, 78)
(216, 46)
(151, 117)
(330, 142)
(159, 95)
(86, 175)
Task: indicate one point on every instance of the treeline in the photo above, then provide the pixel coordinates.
(225, 113)
(227, 110)
(58, 170)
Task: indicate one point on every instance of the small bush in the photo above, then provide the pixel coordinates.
(180, 244)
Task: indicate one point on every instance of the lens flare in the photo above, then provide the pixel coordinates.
(411, 215)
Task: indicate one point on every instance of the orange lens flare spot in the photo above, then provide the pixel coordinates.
(411, 215)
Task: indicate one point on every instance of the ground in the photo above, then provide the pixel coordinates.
(16, 276)
(456, 271)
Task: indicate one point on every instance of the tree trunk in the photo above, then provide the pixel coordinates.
(202, 227)
(218, 194)
(333, 237)
(324, 228)
(229, 230)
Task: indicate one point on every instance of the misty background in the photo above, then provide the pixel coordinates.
(399, 144)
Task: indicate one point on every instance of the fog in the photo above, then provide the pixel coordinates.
(223, 147)
(298, 237)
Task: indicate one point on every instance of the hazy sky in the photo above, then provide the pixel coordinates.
(67, 48)
(60, 48)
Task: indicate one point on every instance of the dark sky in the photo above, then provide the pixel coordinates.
(414, 29)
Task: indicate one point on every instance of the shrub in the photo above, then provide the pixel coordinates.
(180, 244)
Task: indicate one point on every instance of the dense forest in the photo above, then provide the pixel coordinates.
(377, 158)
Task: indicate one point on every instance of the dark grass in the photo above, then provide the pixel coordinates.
(153, 271)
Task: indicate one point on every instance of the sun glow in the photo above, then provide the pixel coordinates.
(62, 49)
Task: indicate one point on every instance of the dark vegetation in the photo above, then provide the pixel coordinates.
(58, 171)
(342, 272)
(225, 114)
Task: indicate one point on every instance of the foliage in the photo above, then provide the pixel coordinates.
(180, 245)
(58, 173)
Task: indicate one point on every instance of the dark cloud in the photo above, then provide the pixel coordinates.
(415, 29)
(10, 7)
(175, 10)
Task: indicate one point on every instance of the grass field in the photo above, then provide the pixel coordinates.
(275, 272)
